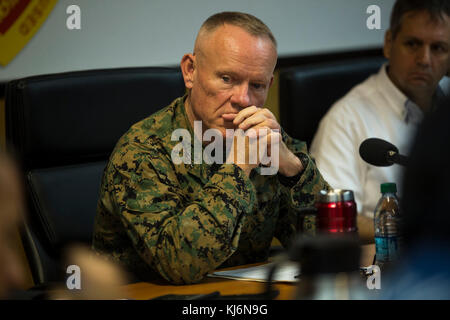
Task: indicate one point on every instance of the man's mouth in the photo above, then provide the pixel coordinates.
(421, 76)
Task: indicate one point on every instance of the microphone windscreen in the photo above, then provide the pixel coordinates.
(375, 151)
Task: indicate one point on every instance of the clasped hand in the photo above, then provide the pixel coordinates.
(265, 138)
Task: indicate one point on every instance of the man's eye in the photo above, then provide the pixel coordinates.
(439, 48)
(257, 86)
(414, 44)
(226, 79)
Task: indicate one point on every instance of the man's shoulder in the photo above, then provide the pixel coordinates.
(158, 126)
(362, 92)
(362, 98)
(149, 138)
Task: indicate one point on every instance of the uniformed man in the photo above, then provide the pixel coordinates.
(182, 219)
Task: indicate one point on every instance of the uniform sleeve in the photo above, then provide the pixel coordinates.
(302, 194)
(180, 239)
(336, 151)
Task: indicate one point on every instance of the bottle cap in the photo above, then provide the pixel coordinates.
(388, 187)
(347, 195)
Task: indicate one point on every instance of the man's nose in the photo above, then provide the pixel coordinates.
(424, 56)
(241, 95)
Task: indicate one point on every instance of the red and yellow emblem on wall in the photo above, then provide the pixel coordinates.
(19, 21)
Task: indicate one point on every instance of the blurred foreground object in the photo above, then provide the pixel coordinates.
(11, 216)
(100, 279)
(424, 268)
(329, 267)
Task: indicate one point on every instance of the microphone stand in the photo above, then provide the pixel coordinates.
(394, 157)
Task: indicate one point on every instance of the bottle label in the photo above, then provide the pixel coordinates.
(387, 248)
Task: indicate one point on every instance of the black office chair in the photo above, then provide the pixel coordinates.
(62, 129)
(307, 92)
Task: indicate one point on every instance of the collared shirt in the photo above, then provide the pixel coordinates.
(374, 108)
(181, 221)
(413, 113)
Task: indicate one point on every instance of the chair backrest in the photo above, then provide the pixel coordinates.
(307, 92)
(62, 129)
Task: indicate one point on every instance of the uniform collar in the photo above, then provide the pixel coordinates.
(181, 120)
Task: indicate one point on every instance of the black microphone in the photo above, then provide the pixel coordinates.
(381, 153)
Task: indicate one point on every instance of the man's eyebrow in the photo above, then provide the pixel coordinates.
(414, 38)
(227, 72)
(442, 43)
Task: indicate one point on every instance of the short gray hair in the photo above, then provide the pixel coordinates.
(248, 22)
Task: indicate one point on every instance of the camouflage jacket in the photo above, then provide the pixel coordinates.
(183, 221)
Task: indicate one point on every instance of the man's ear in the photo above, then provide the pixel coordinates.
(387, 44)
(187, 69)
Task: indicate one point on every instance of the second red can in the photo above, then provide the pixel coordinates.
(336, 212)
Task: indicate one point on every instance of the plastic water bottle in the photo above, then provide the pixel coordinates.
(387, 222)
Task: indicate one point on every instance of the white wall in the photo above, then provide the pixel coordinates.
(119, 33)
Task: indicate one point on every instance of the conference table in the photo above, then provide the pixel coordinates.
(151, 290)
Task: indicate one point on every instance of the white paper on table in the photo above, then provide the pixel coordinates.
(286, 272)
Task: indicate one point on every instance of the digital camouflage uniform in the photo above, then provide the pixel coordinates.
(183, 221)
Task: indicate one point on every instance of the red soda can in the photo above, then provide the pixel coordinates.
(336, 212)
